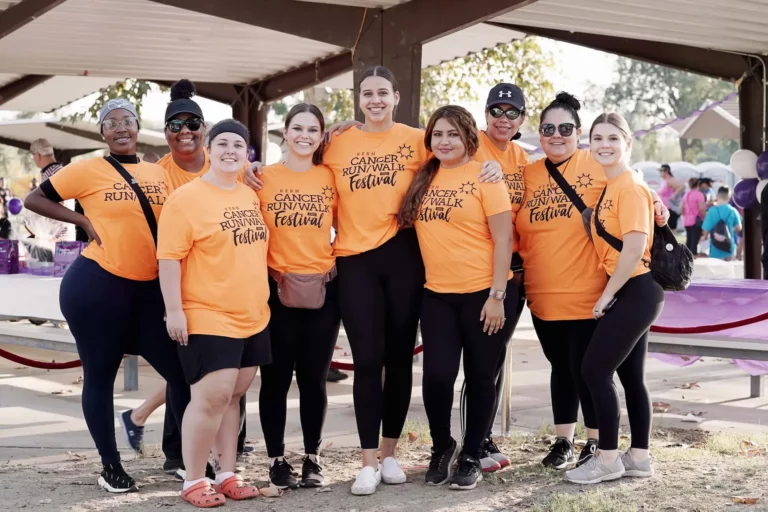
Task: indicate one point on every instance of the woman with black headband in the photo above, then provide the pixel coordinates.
(110, 296)
(212, 247)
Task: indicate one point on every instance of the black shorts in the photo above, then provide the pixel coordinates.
(206, 354)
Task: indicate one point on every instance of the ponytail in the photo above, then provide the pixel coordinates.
(419, 186)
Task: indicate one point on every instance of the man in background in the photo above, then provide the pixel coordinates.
(722, 223)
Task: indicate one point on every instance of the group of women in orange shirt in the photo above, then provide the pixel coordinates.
(249, 278)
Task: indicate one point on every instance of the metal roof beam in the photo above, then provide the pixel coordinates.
(20, 86)
(333, 24)
(713, 63)
(13, 18)
(18, 144)
(406, 22)
(303, 77)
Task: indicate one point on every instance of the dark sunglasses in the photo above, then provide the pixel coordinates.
(511, 114)
(565, 129)
(175, 125)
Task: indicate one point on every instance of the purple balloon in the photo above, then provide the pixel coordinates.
(251, 153)
(762, 166)
(15, 205)
(745, 193)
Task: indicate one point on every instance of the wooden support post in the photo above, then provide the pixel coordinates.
(131, 373)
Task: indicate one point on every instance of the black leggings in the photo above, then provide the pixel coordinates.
(109, 317)
(620, 344)
(451, 322)
(693, 236)
(380, 298)
(564, 343)
(304, 339)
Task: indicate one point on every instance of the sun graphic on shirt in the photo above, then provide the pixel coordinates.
(405, 151)
(467, 187)
(607, 205)
(256, 205)
(585, 180)
(328, 193)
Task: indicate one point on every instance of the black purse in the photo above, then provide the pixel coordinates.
(149, 215)
(671, 264)
(573, 196)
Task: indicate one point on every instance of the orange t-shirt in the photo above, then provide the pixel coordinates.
(453, 232)
(372, 172)
(221, 240)
(109, 203)
(298, 208)
(563, 279)
(175, 176)
(512, 160)
(627, 206)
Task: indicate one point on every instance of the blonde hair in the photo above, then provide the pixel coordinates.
(41, 147)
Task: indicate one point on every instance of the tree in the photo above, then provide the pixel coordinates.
(648, 93)
(132, 90)
(523, 62)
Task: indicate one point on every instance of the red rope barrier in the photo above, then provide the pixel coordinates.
(349, 367)
(40, 364)
(709, 328)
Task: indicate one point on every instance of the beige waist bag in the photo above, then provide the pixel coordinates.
(304, 291)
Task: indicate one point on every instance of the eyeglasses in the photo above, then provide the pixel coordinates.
(565, 129)
(175, 125)
(511, 114)
(110, 125)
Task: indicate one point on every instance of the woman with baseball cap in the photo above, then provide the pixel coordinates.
(212, 247)
(110, 296)
(504, 115)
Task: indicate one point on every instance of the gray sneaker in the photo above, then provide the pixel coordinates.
(595, 471)
(640, 469)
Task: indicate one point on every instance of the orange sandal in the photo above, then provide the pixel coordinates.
(202, 496)
(234, 487)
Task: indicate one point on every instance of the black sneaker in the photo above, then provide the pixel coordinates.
(468, 474)
(441, 466)
(587, 452)
(134, 434)
(114, 479)
(560, 454)
(282, 476)
(335, 375)
(172, 465)
(181, 472)
(312, 473)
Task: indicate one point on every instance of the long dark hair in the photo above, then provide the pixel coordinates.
(463, 121)
(317, 156)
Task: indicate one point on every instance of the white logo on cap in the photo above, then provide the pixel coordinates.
(502, 94)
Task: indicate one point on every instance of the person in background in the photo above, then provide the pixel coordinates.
(629, 304)
(212, 252)
(43, 155)
(709, 193)
(5, 224)
(694, 209)
(721, 224)
(32, 184)
(5, 192)
(671, 194)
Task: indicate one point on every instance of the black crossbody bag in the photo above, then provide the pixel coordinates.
(671, 264)
(576, 200)
(143, 201)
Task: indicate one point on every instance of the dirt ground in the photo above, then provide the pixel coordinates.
(696, 471)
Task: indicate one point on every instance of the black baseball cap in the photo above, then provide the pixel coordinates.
(506, 94)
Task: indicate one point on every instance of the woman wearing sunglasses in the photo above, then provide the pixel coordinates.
(562, 278)
(504, 115)
(110, 296)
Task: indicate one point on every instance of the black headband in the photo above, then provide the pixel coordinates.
(228, 127)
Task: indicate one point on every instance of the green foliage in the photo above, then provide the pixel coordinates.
(523, 62)
(647, 93)
(132, 90)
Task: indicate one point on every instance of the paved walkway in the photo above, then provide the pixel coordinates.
(41, 418)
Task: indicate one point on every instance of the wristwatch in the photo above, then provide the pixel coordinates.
(498, 294)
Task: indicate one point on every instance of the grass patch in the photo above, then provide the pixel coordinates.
(415, 432)
(598, 500)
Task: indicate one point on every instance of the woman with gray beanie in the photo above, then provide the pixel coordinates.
(110, 296)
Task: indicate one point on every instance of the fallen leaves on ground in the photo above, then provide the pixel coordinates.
(75, 456)
(691, 418)
(661, 407)
(690, 385)
(271, 492)
(412, 437)
(79, 380)
(744, 500)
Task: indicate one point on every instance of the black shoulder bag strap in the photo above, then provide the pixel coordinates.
(143, 201)
(567, 189)
(601, 231)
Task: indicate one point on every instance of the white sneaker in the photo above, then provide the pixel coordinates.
(366, 482)
(391, 472)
